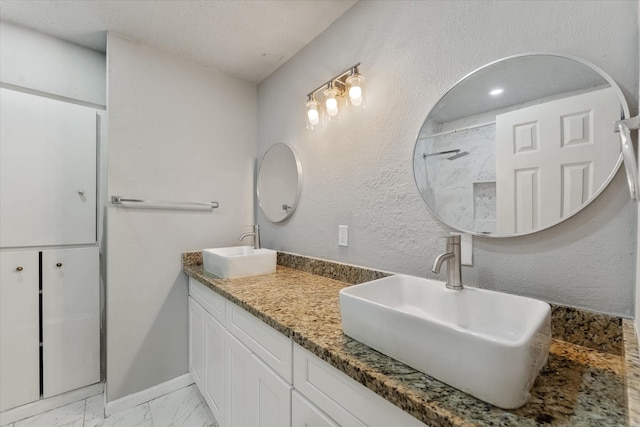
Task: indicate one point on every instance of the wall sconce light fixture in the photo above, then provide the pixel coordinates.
(347, 88)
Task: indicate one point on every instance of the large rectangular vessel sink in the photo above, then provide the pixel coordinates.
(488, 344)
(239, 261)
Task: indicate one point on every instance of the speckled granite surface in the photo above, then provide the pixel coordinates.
(594, 330)
(579, 387)
(632, 371)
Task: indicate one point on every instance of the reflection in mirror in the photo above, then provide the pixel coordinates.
(519, 145)
(279, 182)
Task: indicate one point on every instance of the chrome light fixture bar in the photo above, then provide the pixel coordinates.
(343, 90)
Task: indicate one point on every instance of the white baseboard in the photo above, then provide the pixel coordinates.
(151, 393)
(43, 405)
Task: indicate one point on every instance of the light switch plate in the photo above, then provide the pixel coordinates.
(343, 235)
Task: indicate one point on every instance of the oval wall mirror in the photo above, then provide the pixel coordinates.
(519, 145)
(279, 182)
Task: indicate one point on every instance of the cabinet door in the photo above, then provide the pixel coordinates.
(47, 171)
(306, 414)
(215, 368)
(19, 329)
(196, 344)
(70, 319)
(272, 396)
(240, 406)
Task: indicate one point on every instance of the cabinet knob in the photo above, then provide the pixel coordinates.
(19, 268)
(59, 264)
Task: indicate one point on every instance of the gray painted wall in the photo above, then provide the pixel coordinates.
(358, 171)
(177, 131)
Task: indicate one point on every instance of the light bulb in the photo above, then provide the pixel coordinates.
(355, 94)
(332, 106)
(314, 116)
(355, 83)
(313, 113)
(331, 102)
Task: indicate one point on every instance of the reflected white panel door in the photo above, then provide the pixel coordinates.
(551, 157)
(215, 368)
(19, 329)
(70, 319)
(47, 171)
(306, 414)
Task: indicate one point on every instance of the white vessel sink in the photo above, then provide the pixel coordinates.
(239, 261)
(488, 344)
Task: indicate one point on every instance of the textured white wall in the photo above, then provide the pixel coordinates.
(42, 63)
(358, 171)
(177, 131)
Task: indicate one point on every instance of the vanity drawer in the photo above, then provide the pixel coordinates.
(268, 344)
(213, 303)
(345, 400)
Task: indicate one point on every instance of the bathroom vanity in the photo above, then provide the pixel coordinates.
(281, 336)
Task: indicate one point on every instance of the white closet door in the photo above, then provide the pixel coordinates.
(19, 332)
(47, 171)
(70, 319)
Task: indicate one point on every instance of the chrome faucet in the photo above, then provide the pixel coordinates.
(256, 236)
(454, 268)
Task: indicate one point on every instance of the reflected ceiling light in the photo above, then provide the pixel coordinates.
(345, 88)
(496, 91)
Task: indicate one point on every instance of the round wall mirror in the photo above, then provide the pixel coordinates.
(519, 145)
(279, 182)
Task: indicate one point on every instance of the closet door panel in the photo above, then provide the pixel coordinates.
(19, 329)
(70, 319)
(47, 171)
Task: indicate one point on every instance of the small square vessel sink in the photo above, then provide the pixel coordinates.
(239, 261)
(488, 344)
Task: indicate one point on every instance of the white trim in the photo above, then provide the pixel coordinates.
(52, 96)
(144, 396)
(38, 407)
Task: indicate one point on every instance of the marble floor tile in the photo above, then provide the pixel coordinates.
(71, 415)
(139, 416)
(94, 411)
(182, 408)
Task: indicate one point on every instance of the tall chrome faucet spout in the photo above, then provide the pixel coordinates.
(452, 258)
(437, 264)
(256, 236)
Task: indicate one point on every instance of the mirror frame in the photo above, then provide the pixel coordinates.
(623, 103)
(296, 200)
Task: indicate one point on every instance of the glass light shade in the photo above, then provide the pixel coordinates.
(355, 88)
(331, 96)
(313, 114)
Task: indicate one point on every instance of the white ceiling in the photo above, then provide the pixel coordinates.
(246, 38)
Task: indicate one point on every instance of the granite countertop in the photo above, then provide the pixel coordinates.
(580, 386)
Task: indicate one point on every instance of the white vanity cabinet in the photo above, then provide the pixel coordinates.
(306, 414)
(257, 395)
(268, 380)
(206, 348)
(63, 338)
(241, 366)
